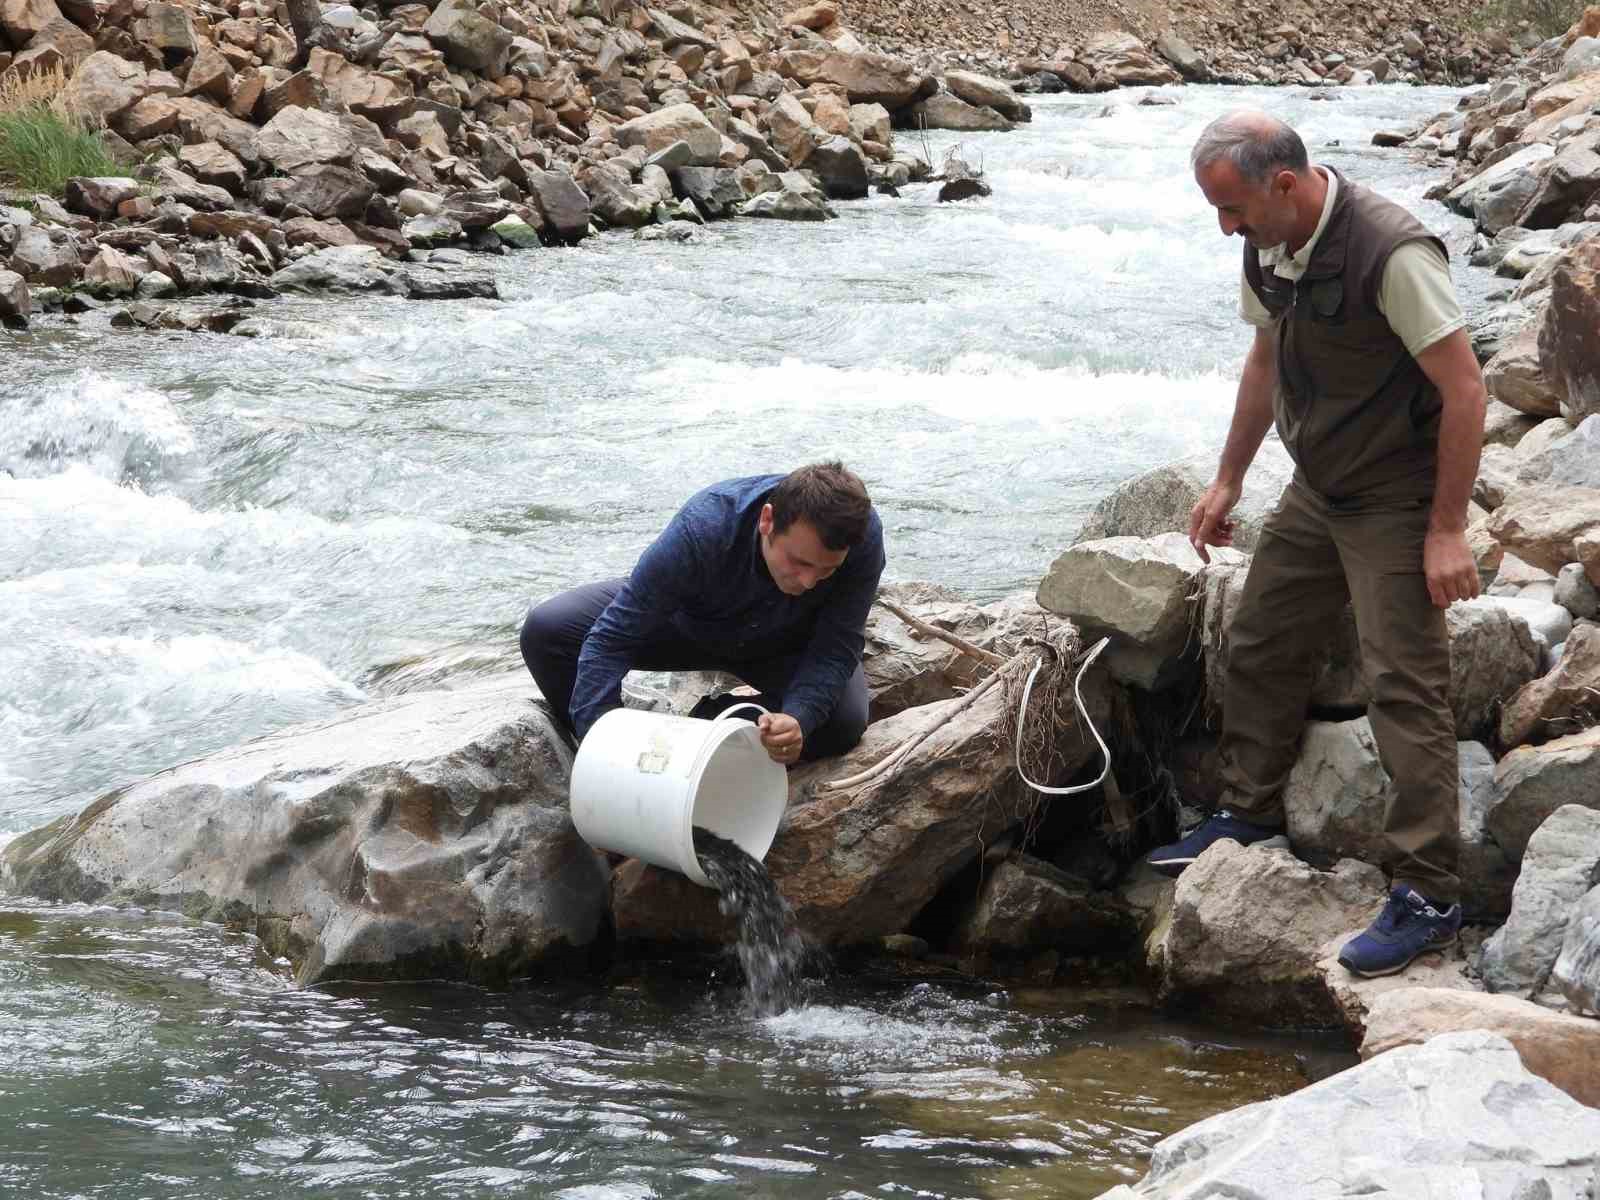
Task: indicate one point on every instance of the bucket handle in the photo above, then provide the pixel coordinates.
(733, 708)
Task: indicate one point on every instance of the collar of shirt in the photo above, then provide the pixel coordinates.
(1293, 266)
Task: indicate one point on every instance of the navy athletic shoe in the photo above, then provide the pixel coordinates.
(1171, 860)
(1408, 926)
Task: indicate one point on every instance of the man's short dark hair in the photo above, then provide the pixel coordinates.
(830, 497)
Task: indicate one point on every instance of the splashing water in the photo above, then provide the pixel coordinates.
(770, 947)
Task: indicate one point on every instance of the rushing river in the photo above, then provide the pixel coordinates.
(206, 538)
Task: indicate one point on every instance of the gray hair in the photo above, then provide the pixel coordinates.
(1259, 146)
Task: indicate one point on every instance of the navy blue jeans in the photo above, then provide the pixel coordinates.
(552, 637)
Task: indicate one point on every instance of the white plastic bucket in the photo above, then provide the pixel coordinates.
(642, 781)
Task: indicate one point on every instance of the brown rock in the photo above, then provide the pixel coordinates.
(1562, 702)
(302, 137)
(202, 121)
(136, 208)
(301, 90)
(105, 86)
(308, 231)
(16, 305)
(20, 20)
(211, 163)
(1514, 377)
(1569, 335)
(813, 16)
(1540, 523)
(98, 197)
(111, 273)
(1125, 58)
(169, 29)
(249, 87)
(1559, 1047)
(151, 117)
(866, 78)
(374, 96)
(210, 75)
(69, 43)
(230, 224)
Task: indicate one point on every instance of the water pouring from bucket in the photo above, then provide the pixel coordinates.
(642, 782)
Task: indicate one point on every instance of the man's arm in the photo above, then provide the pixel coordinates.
(834, 651)
(1447, 561)
(640, 610)
(1252, 417)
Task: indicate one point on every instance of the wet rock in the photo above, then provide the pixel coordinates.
(1460, 1108)
(111, 273)
(422, 283)
(1557, 1047)
(658, 132)
(356, 268)
(1569, 336)
(517, 233)
(1027, 905)
(965, 188)
(714, 190)
(841, 168)
(562, 205)
(1540, 524)
(98, 197)
(1559, 867)
(16, 306)
(1577, 969)
(785, 205)
(421, 836)
(1532, 782)
(1138, 591)
(1566, 700)
(944, 111)
(1248, 927)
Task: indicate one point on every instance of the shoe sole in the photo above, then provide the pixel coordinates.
(1173, 867)
(1428, 949)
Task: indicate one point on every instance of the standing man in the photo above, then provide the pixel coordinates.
(768, 578)
(1361, 358)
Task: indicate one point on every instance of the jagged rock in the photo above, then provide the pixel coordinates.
(150, 117)
(1160, 500)
(476, 208)
(1126, 60)
(1560, 865)
(841, 167)
(660, 130)
(431, 229)
(1577, 969)
(517, 233)
(1460, 1112)
(422, 130)
(1572, 459)
(1492, 329)
(1557, 1047)
(302, 137)
(308, 231)
(98, 197)
(357, 268)
(469, 39)
(1183, 56)
(1248, 927)
(105, 86)
(210, 74)
(230, 225)
(423, 283)
(211, 163)
(1335, 794)
(423, 835)
(620, 203)
(1564, 701)
(966, 188)
(676, 33)
(784, 205)
(374, 96)
(1138, 591)
(381, 170)
(714, 190)
(944, 111)
(813, 16)
(1532, 782)
(1027, 905)
(111, 273)
(1514, 377)
(326, 190)
(982, 91)
(201, 121)
(22, 20)
(866, 78)
(181, 188)
(1540, 524)
(1487, 873)
(1493, 652)
(169, 29)
(562, 205)
(44, 262)
(1569, 335)
(16, 306)
(1574, 592)
(1466, 196)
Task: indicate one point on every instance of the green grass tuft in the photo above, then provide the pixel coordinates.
(41, 148)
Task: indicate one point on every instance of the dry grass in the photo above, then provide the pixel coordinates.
(43, 142)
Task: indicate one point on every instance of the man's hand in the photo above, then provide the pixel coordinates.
(780, 734)
(1449, 567)
(1208, 521)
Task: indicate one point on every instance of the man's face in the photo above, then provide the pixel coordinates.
(796, 557)
(1261, 213)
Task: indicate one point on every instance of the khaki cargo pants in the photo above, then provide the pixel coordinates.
(1313, 555)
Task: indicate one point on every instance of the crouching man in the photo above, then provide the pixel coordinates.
(768, 578)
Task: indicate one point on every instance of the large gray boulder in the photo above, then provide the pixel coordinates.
(43, 261)
(426, 835)
(1487, 873)
(1493, 652)
(1456, 1117)
(841, 167)
(1561, 864)
(1248, 928)
(1464, 198)
(358, 268)
(1532, 782)
(302, 137)
(988, 92)
(1577, 970)
(1125, 58)
(1572, 460)
(1137, 590)
(1160, 500)
(16, 305)
(1335, 795)
(946, 111)
(562, 204)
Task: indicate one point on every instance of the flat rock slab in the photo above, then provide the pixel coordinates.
(1559, 1047)
(426, 835)
(1456, 1117)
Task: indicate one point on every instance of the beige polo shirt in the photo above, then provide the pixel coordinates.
(1416, 296)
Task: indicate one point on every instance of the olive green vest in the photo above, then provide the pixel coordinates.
(1352, 406)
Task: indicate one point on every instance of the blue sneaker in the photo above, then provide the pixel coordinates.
(1171, 860)
(1408, 926)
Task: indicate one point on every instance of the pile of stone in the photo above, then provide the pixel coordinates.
(276, 133)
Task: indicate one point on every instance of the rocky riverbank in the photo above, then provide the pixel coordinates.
(293, 146)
